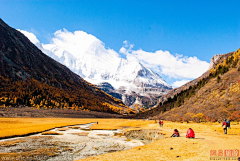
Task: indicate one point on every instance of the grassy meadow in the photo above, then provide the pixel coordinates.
(22, 126)
(209, 137)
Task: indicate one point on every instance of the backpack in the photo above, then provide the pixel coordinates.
(224, 125)
(228, 123)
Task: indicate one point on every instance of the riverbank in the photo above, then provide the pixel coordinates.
(68, 143)
(209, 137)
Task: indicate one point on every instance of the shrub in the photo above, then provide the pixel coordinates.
(235, 116)
(188, 116)
(224, 114)
(198, 117)
(235, 63)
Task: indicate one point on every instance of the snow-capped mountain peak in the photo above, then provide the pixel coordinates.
(96, 64)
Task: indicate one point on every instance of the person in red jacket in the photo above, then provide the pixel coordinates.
(175, 133)
(162, 123)
(224, 125)
(190, 133)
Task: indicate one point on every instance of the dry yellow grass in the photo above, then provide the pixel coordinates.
(63, 129)
(51, 133)
(113, 124)
(38, 154)
(209, 136)
(74, 127)
(23, 126)
(10, 143)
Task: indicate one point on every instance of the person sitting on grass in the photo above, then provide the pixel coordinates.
(190, 133)
(175, 133)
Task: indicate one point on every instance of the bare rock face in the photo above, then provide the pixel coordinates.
(214, 60)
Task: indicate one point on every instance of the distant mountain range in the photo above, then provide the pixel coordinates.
(29, 77)
(128, 80)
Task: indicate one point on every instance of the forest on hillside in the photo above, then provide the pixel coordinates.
(37, 94)
(213, 98)
(28, 77)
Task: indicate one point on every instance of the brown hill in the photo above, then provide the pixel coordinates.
(29, 77)
(213, 96)
(214, 61)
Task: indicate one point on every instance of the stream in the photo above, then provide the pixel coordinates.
(74, 142)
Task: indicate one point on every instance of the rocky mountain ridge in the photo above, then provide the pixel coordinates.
(215, 60)
(212, 97)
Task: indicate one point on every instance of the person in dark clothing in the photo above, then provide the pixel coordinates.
(228, 124)
(190, 133)
(160, 123)
(175, 133)
(224, 125)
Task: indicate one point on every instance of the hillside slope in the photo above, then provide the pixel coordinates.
(29, 77)
(214, 96)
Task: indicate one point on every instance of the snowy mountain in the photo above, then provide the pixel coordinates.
(28, 77)
(127, 79)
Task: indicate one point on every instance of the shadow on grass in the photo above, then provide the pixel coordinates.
(200, 138)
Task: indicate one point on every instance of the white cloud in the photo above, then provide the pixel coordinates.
(179, 83)
(125, 42)
(30, 36)
(78, 43)
(173, 66)
(123, 50)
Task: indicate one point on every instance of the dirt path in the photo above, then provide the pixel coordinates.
(209, 140)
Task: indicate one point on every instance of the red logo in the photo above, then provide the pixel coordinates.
(224, 153)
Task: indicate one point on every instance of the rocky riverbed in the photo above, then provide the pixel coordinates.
(68, 143)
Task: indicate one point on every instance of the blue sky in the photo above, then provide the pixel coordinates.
(189, 28)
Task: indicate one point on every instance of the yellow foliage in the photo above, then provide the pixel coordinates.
(112, 107)
(235, 88)
(225, 63)
(218, 66)
(199, 115)
(236, 55)
(212, 71)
